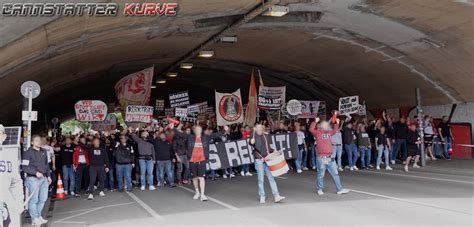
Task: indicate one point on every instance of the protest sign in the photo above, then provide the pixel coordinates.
(229, 108)
(198, 107)
(362, 110)
(271, 97)
(169, 112)
(181, 112)
(348, 105)
(135, 88)
(293, 107)
(139, 114)
(239, 152)
(179, 99)
(309, 109)
(90, 110)
(159, 105)
(109, 124)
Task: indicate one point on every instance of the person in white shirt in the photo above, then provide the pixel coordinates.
(301, 159)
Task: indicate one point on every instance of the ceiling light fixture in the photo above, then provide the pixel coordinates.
(186, 65)
(172, 74)
(228, 39)
(161, 81)
(206, 53)
(277, 11)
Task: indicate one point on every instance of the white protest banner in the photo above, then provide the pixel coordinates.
(135, 88)
(109, 124)
(362, 110)
(179, 99)
(160, 105)
(309, 109)
(198, 107)
(209, 109)
(294, 107)
(271, 97)
(229, 108)
(181, 112)
(139, 114)
(348, 105)
(169, 112)
(90, 110)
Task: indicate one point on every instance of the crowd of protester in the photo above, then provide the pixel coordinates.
(169, 155)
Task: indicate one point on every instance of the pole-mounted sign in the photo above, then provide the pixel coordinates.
(30, 90)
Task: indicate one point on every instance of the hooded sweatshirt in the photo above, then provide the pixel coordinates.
(323, 139)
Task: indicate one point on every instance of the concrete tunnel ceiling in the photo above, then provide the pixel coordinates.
(380, 50)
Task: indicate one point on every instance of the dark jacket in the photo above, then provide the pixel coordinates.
(180, 146)
(163, 151)
(124, 154)
(400, 130)
(348, 135)
(66, 154)
(190, 139)
(34, 161)
(98, 156)
(262, 144)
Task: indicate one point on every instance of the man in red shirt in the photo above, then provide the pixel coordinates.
(198, 144)
(325, 161)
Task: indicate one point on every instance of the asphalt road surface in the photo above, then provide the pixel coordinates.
(440, 194)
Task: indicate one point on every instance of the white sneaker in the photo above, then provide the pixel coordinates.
(343, 191)
(42, 220)
(151, 188)
(305, 168)
(72, 193)
(416, 166)
(404, 162)
(36, 222)
(314, 167)
(224, 176)
(299, 171)
(388, 168)
(392, 162)
(204, 198)
(142, 188)
(352, 168)
(405, 168)
(320, 192)
(378, 167)
(242, 173)
(279, 199)
(196, 195)
(355, 168)
(101, 193)
(232, 175)
(340, 169)
(90, 197)
(249, 174)
(262, 199)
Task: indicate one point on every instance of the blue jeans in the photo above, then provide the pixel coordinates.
(245, 168)
(165, 166)
(146, 167)
(382, 149)
(400, 144)
(110, 179)
(365, 156)
(351, 150)
(124, 170)
(262, 170)
(447, 145)
(39, 188)
(301, 159)
(312, 155)
(337, 153)
(330, 165)
(68, 175)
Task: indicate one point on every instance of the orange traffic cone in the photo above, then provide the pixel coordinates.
(60, 195)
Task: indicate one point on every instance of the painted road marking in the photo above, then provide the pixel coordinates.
(77, 215)
(212, 199)
(74, 211)
(146, 207)
(419, 177)
(410, 201)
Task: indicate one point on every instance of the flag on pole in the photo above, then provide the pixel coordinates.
(229, 108)
(251, 111)
(135, 88)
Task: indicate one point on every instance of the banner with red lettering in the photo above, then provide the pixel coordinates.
(139, 114)
(90, 110)
(109, 124)
(135, 88)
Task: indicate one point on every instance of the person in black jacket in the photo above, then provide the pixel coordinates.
(198, 154)
(182, 162)
(99, 165)
(349, 139)
(400, 131)
(68, 170)
(164, 160)
(413, 143)
(124, 163)
(35, 165)
(110, 178)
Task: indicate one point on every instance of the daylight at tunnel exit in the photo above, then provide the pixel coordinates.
(236, 113)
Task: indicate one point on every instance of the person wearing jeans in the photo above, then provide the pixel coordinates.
(182, 161)
(69, 179)
(124, 157)
(363, 141)
(262, 170)
(164, 160)
(146, 173)
(301, 159)
(146, 158)
(400, 131)
(336, 141)
(35, 165)
(444, 130)
(349, 139)
(323, 136)
(165, 166)
(383, 147)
